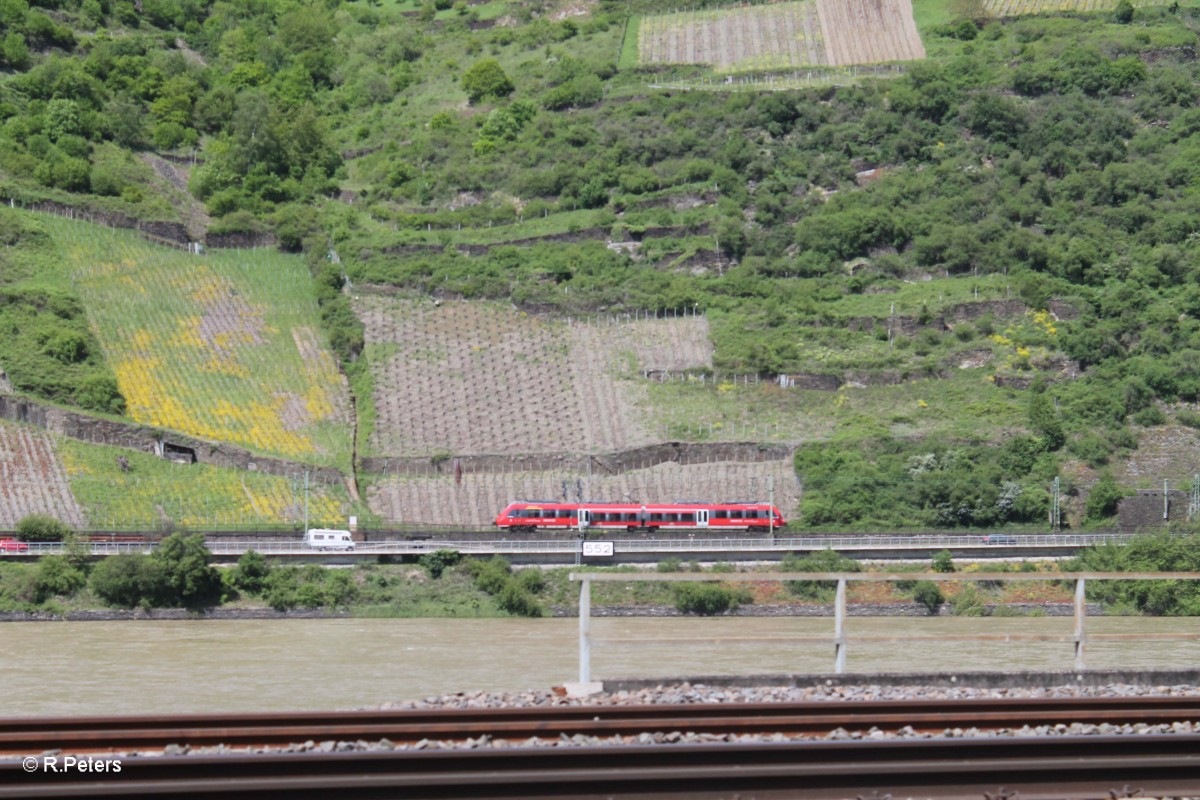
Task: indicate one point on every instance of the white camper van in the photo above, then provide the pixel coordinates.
(328, 539)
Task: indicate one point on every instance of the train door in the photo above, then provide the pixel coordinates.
(702, 518)
(585, 518)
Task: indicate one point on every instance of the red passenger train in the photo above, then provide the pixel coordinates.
(529, 516)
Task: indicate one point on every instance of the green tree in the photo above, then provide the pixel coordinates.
(486, 79)
(129, 581)
(190, 580)
(1123, 13)
(14, 51)
(1103, 498)
(56, 576)
(251, 572)
(1044, 420)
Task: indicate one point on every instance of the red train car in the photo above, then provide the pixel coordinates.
(530, 516)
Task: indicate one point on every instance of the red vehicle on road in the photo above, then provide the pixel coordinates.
(530, 516)
(13, 546)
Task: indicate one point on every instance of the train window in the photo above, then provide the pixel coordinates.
(687, 517)
(565, 513)
(720, 514)
(735, 514)
(656, 517)
(630, 516)
(671, 517)
(516, 513)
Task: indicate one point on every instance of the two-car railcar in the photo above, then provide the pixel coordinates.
(531, 516)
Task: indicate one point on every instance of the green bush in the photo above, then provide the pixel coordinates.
(486, 79)
(929, 595)
(532, 580)
(130, 580)
(42, 528)
(669, 565)
(516, 600)
(705, 599)
(251, 572)
(943, 561)
(56, 576)
(968, 603)
(439, 561)
(1103, 498)
(280, 589)
(820, 561)
(1189, 418)
(514, 594)
(493, 575)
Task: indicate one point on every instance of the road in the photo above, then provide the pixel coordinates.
(567, 551)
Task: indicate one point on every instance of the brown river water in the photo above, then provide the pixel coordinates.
(81, 668)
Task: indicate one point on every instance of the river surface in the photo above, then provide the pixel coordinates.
(81, 668)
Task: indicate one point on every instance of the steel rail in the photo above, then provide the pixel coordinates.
(810, 718)
(1055, 767)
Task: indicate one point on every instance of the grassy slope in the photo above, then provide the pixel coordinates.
(154, 491)
(211, 345)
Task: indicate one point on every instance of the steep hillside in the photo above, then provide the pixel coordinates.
(945, 271)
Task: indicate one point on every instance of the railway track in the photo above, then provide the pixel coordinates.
(814, 718)
(1102, 766)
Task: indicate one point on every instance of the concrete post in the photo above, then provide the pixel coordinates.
(585, 631)
(839, 628)
(1080, 616)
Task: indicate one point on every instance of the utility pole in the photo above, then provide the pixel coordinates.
(305, 501)
(1194, 505)
(1055, 514)
(771, 510)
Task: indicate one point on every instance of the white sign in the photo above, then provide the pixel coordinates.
(597, 548)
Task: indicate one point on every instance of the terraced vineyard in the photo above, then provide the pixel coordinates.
(1016, 8)
(484, 378)
(757, 37)
(224, 346)
(153, 491)
(474, 503)
(869, 31)
(32, 479)
(783, 35)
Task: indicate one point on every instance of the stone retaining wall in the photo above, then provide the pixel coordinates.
(620, 461)
(132, 436)
(827, 610)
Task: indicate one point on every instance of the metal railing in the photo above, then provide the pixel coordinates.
(839, 638)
